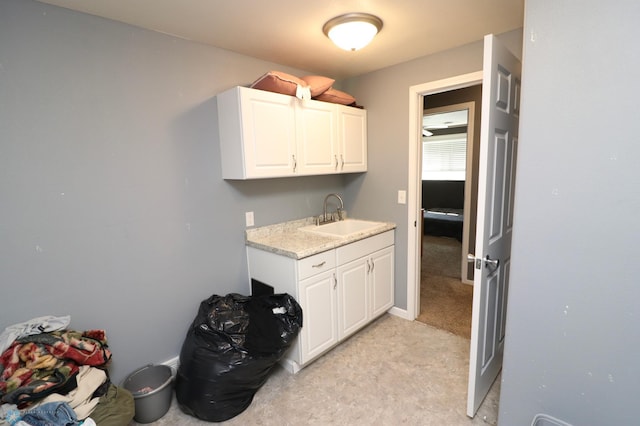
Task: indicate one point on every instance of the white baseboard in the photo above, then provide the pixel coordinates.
(402, 313)
(173, 364)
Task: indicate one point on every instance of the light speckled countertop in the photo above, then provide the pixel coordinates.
(286, 238)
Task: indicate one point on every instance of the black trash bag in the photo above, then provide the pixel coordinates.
(231, 347)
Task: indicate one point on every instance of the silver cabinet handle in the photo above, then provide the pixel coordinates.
(295, 163)
(319, 265)
(335, 281)
(373, 265)
(336, 158)
(368, 266)
(341, 162)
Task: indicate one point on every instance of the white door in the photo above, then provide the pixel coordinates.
(353, 309)
(352, 125)
(381, 274)
(320, 323)
(317, 142)
(268, 125)
(498, 143)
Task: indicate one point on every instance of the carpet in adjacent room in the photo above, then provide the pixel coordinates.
(445, 301)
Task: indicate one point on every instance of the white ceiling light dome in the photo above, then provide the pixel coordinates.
(352, 31)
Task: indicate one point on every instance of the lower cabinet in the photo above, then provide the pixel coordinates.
(340, 291)
(366, 290)
(318, 298)
(353, 303)
(381, 275)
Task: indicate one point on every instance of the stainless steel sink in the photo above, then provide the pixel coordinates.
(344, 228)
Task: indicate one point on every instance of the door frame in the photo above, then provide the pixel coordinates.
(414, 193)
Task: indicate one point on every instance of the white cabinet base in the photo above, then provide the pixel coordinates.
(340, 291)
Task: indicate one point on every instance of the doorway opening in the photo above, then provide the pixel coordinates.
(437, 94)
(448, 187)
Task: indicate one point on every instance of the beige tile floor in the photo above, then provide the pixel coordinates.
(392, 372)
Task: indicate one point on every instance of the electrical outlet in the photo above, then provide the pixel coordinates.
(402, 197)
(248, 216)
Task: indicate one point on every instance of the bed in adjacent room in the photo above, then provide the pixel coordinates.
(443, 222)
(443, 207)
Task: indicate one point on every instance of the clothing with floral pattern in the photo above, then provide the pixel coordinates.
(38, 365)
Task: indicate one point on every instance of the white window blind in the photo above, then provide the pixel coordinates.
(444, 157)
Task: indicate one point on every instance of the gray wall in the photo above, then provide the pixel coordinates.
(572, 325)
(385, 94)
(112, 205)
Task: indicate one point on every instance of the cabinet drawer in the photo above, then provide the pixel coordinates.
(315, 264)
(364, 247)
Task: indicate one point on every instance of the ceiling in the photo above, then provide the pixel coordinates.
(444, 120)
(289, 32)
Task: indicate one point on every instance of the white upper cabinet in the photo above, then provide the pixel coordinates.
(257, 134)
(352, 125)
(317, 131)
(265, 134)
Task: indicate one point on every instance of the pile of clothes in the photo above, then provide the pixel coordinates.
(52, 375)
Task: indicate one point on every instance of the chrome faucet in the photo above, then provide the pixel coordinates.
(339, 210)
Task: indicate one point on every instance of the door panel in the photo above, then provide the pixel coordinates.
(489, 319)
(502, 308)
(382, 274)
(499, 130)
(320, 327)
(352, 303)
(317, 138)
(269, 133)
(496, 176)
(353, 139)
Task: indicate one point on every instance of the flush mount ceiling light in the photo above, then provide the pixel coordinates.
(352, 31)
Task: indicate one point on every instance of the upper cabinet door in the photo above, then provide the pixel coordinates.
(257, 134)
(318, 151)
(352, 125)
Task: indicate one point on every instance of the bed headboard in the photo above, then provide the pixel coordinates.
(443, 193)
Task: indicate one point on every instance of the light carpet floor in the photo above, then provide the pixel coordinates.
(445, 302)
(392, 372)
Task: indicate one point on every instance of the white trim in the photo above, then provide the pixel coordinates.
(471, 129)
(173, 364)
(416, 94)
(401, 313)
